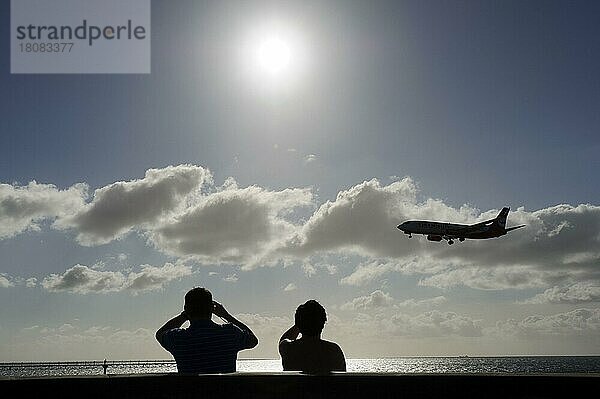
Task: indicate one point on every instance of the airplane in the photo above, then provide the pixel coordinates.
(438, 231)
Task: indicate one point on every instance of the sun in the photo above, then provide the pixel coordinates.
(273, 55)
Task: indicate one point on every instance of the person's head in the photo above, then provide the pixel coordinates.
(198, 303)
(310, 318)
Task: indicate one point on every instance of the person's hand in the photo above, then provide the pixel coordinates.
(219, 310)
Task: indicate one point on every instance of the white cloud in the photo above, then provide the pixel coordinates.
(236, 225)
(310, 158)
(290, 287)
(12, 281)
(261, 321)
(232, 278)
(433, 324)
(311, 268)
(83, 280)
(559, 245)
(4, 281)
(183, 214)
(576, 293)
(31, 282)
(489, 278)
(151, 278)
(71, 341)
(122, 206)
(376, 300)
(579, 321)
(427, 303)
(22, 208)
(362, 218)
(368, 272)
(268, 328)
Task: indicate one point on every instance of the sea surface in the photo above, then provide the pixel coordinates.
(513, 364)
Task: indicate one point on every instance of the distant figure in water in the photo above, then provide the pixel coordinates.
(310, 354)
(205, 346)
(104, 366)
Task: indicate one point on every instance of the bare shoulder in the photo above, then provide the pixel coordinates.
(331, 346)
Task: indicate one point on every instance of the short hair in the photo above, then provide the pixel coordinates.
(310, 318)
(198, 302)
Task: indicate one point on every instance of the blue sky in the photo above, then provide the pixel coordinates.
(455, 108)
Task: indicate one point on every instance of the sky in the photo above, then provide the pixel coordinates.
(274, 179)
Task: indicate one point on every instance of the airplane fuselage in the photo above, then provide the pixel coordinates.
(450, 229)
(438, 231)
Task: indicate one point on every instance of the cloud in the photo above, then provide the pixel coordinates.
(22, 208)
(483, 278)
(578, 321)
(376, 300)
(266, 326)
(82, 279)
(362, 218)
(368, 272)
(310, 158)
(290, 287)
(4, 281)
(71, 341)
(311, 268)
(154, 278)
(31, 282)
(232, 278)
(433, 324)
(12, 281)
(122, 206)
(576, 293)
(559, 245)
(235, 225)
(181, 213)
(429, 302)
(438, 323)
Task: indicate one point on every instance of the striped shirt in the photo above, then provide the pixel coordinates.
(205, 346)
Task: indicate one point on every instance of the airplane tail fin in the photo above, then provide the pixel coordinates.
(501, 218)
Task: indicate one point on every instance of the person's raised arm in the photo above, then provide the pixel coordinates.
(220, 311)
(291, 334)
(175, 322)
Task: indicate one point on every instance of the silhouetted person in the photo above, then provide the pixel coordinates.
(310, 354)
(205, 346)
(104, 366)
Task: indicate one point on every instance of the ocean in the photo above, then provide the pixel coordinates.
(512, 364)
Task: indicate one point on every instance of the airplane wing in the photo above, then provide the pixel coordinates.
(482, 223)
(469, 228)
(514, 228)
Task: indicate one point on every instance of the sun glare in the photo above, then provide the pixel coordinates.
(273, 55)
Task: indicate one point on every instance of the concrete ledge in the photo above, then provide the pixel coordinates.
(294, 385)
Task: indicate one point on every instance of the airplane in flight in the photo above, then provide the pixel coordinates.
(438, 231)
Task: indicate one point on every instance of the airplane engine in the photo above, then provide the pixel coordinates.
(432, 237)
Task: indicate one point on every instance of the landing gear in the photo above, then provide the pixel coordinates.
(450, 242)
(409, 235)
(461, 239)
